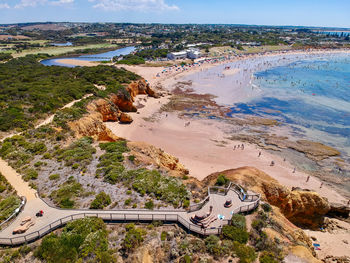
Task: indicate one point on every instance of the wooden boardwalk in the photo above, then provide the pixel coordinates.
(54, 218)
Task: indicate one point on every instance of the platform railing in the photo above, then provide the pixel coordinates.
(138, 216)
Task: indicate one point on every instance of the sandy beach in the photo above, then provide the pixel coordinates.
(202, 146)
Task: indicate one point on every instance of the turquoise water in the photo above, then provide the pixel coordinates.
(311, 96)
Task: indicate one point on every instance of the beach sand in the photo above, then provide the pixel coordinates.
(203, 148)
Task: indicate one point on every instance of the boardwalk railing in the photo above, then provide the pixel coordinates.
(110, 217)
(245, 197)
(199, 206)
(167, 216)
(16, 212)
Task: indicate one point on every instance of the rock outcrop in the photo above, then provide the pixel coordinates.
(313, 150)
(93, 126)
(140, 87)
(147, 154)
(112, 108)
(125, 118)
(124, 100)
(303, 208)
(108, 111)
(339, 210)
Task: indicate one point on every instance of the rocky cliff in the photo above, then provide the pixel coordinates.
(149, 155)
(112, 108)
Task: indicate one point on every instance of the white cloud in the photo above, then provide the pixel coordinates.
(33, 3)
(61, 2)
(4, 6)
(30, 3)
(140, 5)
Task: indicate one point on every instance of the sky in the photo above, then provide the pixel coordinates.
(332, 13)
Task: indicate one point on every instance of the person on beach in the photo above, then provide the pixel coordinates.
(294, 170)
(272, 163)
(259, 154)
(242, 146)
(321, 185)
(308, 178)
(238, 146)
(234, 148)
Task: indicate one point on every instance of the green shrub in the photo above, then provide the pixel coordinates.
(186, 259)
(101, 201)
(266, 207)
(163, 236)
(244, 253)
(221, 180)
(30, 174)
(47, 156)
(127, 201)
(186, 203)
(133, 238)
(267, 257)
(258, 224)
(235, 234)
(239, 221)
(54, 177)
(38, 164)
(131, 158)
(213, 246)
(8, 206)
(67, 191)
(80, 241)
(79, 153)
(149, 205)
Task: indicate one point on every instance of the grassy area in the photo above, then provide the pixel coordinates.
(55, 51)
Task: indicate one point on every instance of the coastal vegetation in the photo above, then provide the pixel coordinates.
(80, 240)
(9, 201)
(143, 181)
(141, 56)
(30, 90)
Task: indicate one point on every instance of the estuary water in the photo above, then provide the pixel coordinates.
(106, 56)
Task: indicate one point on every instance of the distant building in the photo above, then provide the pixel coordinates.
(177, 55)
(191, 53)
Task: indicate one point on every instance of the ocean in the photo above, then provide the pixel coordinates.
(312, 96)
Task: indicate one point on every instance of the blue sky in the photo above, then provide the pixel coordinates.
(260, 12)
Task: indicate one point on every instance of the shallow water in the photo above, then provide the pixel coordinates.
(309, 93)
(312, 96)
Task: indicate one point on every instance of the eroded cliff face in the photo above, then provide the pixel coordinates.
(149, 155)
(92, 125)
(302, 208)
(113, 108)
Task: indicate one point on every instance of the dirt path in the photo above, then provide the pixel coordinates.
(15, 179)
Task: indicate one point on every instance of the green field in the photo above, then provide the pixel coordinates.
(55, 51)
